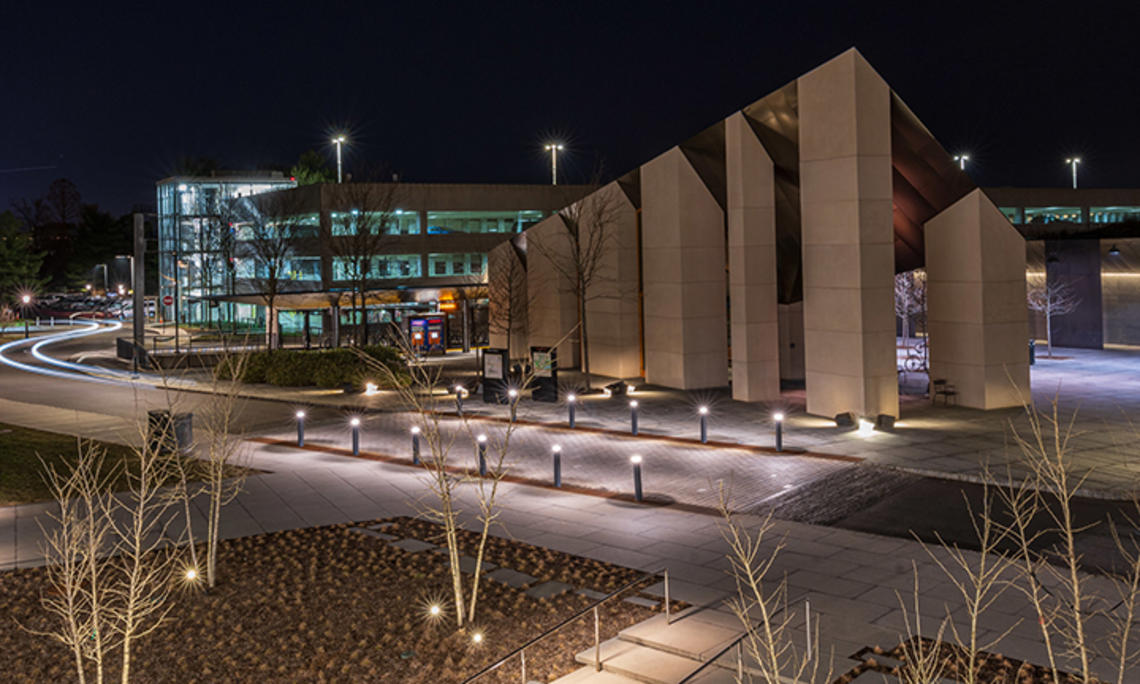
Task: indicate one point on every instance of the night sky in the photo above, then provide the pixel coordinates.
(111, 95)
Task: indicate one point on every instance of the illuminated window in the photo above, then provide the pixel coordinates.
(1114, 214)
(1052, 214)
(1012, 213)
(455, 264)
(382, 266)
(444, 222)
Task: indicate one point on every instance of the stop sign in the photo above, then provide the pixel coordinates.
(168, 300)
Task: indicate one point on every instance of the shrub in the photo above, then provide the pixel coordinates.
(320, 367)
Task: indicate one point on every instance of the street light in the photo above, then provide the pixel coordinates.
(554, 149)
(355, 422)
(570, 401)
(779, 418)
(636, 461)
(633, 417)
(962, 159)
(25, 301)
(338, 141)
(1073, 163)
(300, 428)
(415, 445)
(704, 412)
(481, 448)
(513, 394)
(557, 451)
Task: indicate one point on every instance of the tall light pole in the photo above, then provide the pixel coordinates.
(338, 141)
(1073, 163)
(554, 149)
(962, 159)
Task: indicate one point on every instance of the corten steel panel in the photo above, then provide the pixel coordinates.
(1077, 264)
(926, 180)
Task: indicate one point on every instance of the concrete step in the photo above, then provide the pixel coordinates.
(588, 675)
(640, 663)
(697, 635)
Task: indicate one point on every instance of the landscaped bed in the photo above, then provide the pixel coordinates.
(335, 604)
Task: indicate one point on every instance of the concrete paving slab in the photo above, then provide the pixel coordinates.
(548, 589)
(511, 578)
(642, 601)
(588, 675)
(639, 662)
(413, 545)
(684, 636)
(372, 533)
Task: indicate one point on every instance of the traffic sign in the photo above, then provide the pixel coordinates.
(168, 300)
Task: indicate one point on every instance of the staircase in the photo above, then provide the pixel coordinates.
(658, 653)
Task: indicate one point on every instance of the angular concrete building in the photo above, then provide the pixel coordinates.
(761, 253)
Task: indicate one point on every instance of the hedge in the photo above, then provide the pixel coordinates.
(318, 367)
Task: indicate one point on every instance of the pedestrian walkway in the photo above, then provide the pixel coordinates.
(850, 578)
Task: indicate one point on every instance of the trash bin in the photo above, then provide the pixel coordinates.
(168, 432)
(1032, 352)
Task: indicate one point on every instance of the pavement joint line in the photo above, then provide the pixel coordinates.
(649, 502)
(644, 436)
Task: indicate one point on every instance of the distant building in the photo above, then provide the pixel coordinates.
(433, 250)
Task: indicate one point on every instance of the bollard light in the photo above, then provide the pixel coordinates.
(633, 417)
(459, 390)
(636, 461)
(570, 406)
(513, 394)
(557, 452)
(779, 418)
(704, 412)
(415, 445)
(355, 423)
(481, 448)
(300, 428)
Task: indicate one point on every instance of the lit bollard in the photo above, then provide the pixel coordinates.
(300, 428)
(704, 411)
(570, 406)
(355, 423)
(513, 397)
(481, 449)
(415, 445)
(633, 417)
(779, 418)
(557, 451)
(459, 391)
(636, 461)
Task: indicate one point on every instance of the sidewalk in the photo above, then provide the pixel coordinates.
(850, 578)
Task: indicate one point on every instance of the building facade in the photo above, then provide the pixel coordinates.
(411, 247)
(762, 251)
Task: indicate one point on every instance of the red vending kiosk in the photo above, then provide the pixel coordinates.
(427, 333)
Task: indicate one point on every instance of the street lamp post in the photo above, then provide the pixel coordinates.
(570, 405)
(513, 396)
(636, 461)
(481, 449)
(557, 451)
(355, 422)
(25, 301)
(704, 412)
(1073, 161)
(962, 159)
(779, 418)
(633, 417)
(415, 445)
(300, 428)
(338, 141)
(554, 149)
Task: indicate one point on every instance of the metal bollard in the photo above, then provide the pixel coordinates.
(779, 418)
(415, 445)
(636, 461)
(300, 428)
(481, 448)
(633, 417)
(570, 406)
(704, 411)
(355, 422)
(557, 450)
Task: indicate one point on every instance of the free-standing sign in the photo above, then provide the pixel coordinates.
(544, 361)
(495, 364)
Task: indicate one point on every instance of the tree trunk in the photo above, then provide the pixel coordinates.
(1049, 333)
(584, 339)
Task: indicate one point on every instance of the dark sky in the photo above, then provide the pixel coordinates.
(111, 94)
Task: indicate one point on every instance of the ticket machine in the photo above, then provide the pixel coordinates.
(427, 333)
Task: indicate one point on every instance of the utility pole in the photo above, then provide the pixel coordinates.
(1073, 163)
(138, 284)
(338, 141)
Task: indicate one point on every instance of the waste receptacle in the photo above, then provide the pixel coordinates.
(168, 432)
(1032, 352)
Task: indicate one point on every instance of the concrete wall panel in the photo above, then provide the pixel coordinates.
(975, 266)
(683, 275)
(848, 239)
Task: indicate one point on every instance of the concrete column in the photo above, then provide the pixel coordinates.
(1076, 263)
(683, 271)
(552, 311)
(752, 264)
(976, 311)
(848, 239)
(612, 312)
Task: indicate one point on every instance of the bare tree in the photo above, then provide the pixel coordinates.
(1051, 299)
(1126, 580)
(761, 603)
(73, 545)
(923, 662)
(910, 300)
(586, 233)
(266, 232)
(222, 468)
(507, 290)
(359, 234)
(144, 562)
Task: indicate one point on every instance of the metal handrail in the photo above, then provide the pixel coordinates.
(521, 650)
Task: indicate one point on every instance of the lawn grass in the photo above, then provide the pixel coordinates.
(22, 472)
